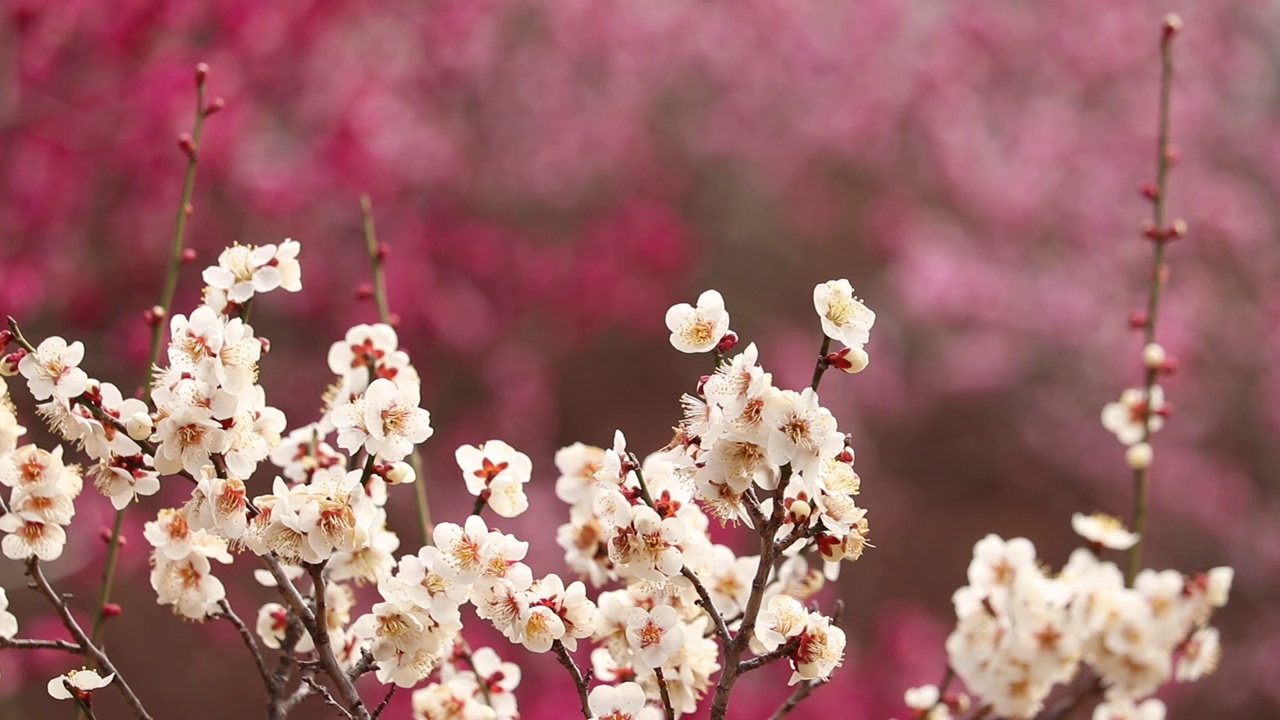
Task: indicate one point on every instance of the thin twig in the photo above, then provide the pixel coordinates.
(90, 650)
(25, 644)
(579, 681)
(384, 315)
(249, 642)
(665, 692)
(385, 701)
(704, 599)
(323, 692)
(1159, 272)
(777, 653)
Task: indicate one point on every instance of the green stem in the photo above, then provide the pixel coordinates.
(384, 315)
(157, 332)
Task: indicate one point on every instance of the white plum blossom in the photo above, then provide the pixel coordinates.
(8, 623)
(625, 701)
(81, 682)
(1125, 417)
(386, 421)
(53, 369)
(698, 329)
(843, 315)
(1103, 530)
(187, 438)
(496, 472)
(801, 430)
(655, 635)
(1127, 709)
(244, 270)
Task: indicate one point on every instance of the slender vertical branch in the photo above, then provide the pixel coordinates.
(704, 599)
(665, 692)
(579, 681)
(384, 315)
(90, 650)
(1161, 235)
(192, 148)
(821, 365)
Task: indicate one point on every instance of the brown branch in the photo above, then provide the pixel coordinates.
(278, 706)
(323, 692)
(25, 644)
(665, 692)
(267, 680)
(579, 681)
(704, 599)
(319, 634)
(777, 653)
(91, 651)
(385, 701)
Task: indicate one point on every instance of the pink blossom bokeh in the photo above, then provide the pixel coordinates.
(552, 174)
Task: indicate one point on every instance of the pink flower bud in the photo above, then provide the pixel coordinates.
(187, 145)
(111, 610)
(1149, 190)
(214, 107)
(202, 74)
(1172, 26)
(188, 256)
(1137, 319)
(364, 291)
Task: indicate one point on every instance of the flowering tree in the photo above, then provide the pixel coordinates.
(688, 617)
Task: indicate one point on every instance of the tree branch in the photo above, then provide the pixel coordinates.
(579, 681)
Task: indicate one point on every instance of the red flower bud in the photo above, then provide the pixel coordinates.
(1149, 190)
(1169, 366)
(202, 74)
(383, 251)
(364, 291)
(187, 145)
(111, 610)
(214, 107)
(727, 342)
(188, 256)
(1137, 319)
(6, 337)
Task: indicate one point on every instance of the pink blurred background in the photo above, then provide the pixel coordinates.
(552, 174)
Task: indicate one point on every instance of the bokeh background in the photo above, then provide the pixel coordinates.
(552, 174)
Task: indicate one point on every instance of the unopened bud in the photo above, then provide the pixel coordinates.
(138, 426)
(1217, 586)
(799, 509)
(214, 107)
(1169, 366)
(401, 473)
(727, 342)
(1139, 456)
(1137, 319)
(111, 610)
(850, 360)
(266, 345)
(383, 251)
(1166, 410)
(1172, 25)
(188, 256)
(1173, 155)
(1150, 231)
(189, 209)
(1153, 356)
(154, 316)
(9, 365)
(1149, 190)
(187, 145)
(1177, 230)
(202, 74)
(6, 337)
(364, 291)
(393, 319)
(106, 534)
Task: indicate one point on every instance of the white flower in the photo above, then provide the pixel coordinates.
(1200, 655)
(782, 619)
(1218, 585)
(244, 270)
(82, 683)
(577, 464)
(8, 623)
(497, 472)
(843, 316)
(650, 545)
(1124, 417)
(1125, 709)
(196, 339)
(821, 650)
(30, 536)
(124, 478)
(187, 438)
(367, 351)
(698, 330)
(801, 431)
(997, 563)
(10, 430)
(187, 585)
(386, 421)
(53, 369)
(1103, 530)
(655, 635)
(499, 678)
(623, 702)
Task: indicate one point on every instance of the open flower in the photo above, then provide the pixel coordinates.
(53, 369)
(655, 634)
(81, 683)
(496, 472)
(843, 315)
(698, 330)
(244, 270)
(386, 421)
(623, 702)
(8, 623)
(1125, 417)
(1103, 530)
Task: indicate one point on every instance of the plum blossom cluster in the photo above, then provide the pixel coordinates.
(1021, 630)
(477, 685)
